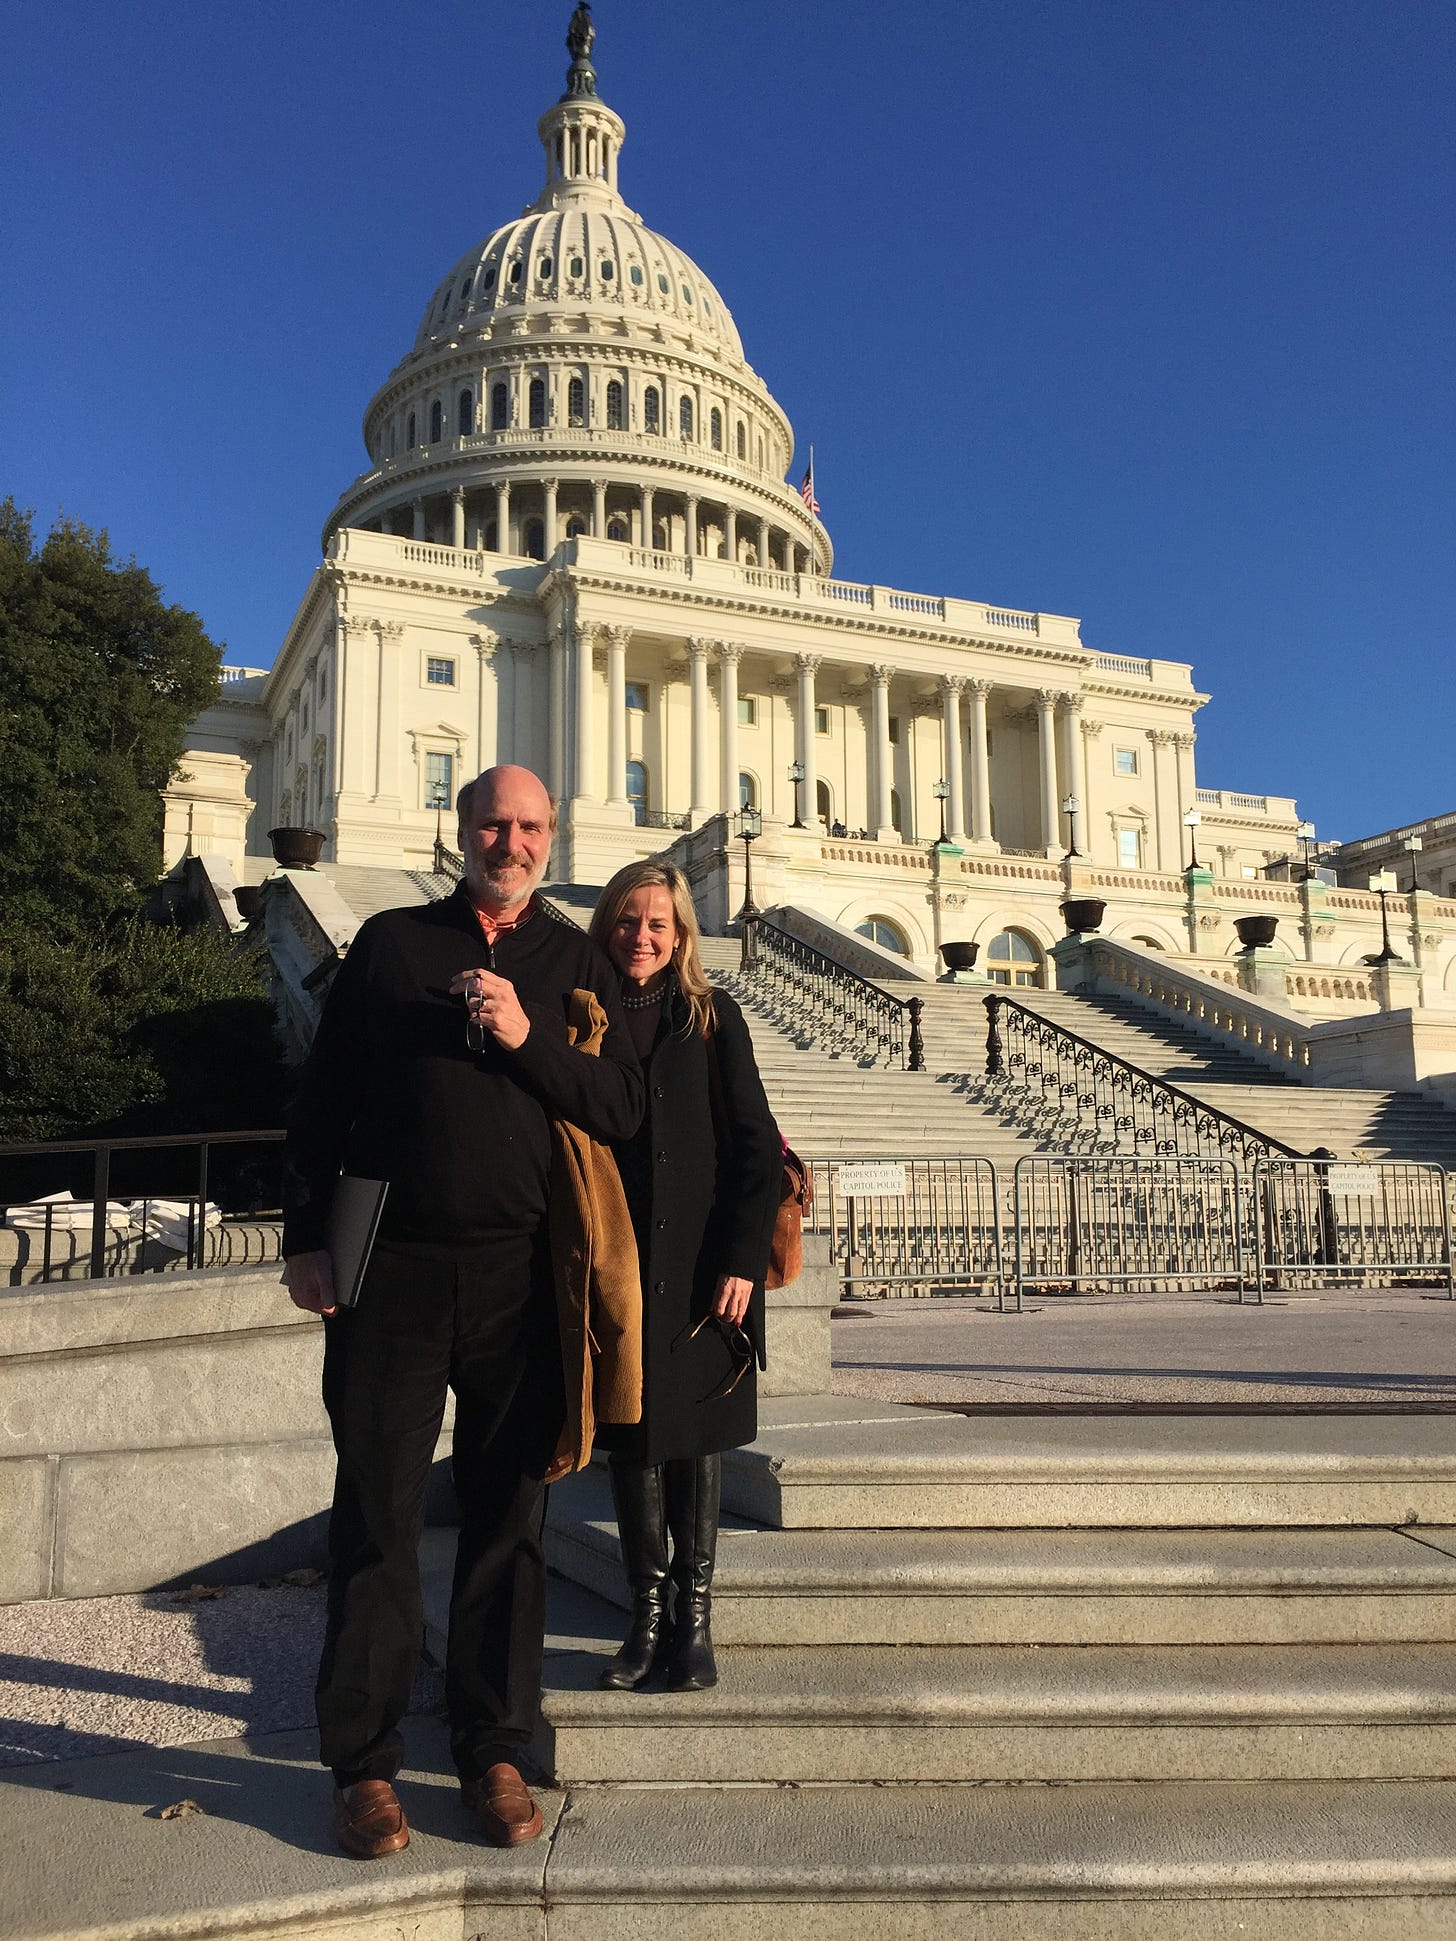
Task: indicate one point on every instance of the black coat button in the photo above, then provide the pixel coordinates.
(659, 1287)
(660, 1225)
(662, 1158)
(657, 1091)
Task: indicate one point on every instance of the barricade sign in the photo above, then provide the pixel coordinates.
(861, 1176)
(910, 1226)
(1321, 1220)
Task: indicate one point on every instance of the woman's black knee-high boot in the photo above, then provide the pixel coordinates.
(637, 1491)
(692, 1486)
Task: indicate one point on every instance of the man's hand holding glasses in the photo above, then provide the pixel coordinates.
(492, 1009)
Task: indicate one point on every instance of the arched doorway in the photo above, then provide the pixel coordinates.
(1013, 958)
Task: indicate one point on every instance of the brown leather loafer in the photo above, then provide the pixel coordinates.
(369, 1820)
(502, 1804)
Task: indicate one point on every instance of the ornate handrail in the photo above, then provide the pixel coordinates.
(448, 862)
(856, 1013)
(1125, 1107)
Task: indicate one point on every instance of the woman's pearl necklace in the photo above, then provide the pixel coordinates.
(645, 1003)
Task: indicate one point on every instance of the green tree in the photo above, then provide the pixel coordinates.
(99, 679)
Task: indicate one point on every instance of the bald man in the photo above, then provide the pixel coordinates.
(439, 1063)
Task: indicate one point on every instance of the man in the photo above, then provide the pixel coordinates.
(439, 1063)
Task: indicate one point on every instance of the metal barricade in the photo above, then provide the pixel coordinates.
(1321, 1220)
(911, 1226)
(1088, 1223)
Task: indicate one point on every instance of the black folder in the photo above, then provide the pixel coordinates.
(349, 1235)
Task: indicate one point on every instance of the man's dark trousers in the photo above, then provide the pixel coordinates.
(483, 1321)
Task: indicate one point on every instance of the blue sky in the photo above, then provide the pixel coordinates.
(1137, 311)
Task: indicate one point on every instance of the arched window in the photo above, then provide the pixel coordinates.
(1013, 959)
(575, 526)
(887, 935)
(1149, 943)
(535, 538)
(715, 429)
(500, 407)
(740, 440)
(685, 417)
(747, 790)
(614, 405)
(651, 409)
(637, 790)
(410, 440)
(617, 529)
(897, 820)
(760, 454)
(538, 401)
(823, 801)
(466, 419)
(576, 402)
(437, 422)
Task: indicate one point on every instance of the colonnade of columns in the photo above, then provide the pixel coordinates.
(965, 743)
(638, 508)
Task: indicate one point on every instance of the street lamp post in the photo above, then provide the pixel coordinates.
(1413, 847)
(941, 792)
(1071, 809)
(1190, 823)
(796, 776)
(436, 800)
(748, 825)
(1382, 885)
(1305, 833)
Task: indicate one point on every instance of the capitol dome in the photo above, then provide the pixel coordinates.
(577, 373)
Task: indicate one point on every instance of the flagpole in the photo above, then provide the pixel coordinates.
(812, 514)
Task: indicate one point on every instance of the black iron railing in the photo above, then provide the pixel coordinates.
(1122, 1107)
(660, 818)
(851, 1012)
(192, 1177)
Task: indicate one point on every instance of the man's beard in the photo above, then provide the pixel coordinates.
(504, 890)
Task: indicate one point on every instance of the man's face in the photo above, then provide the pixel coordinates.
(505, 838)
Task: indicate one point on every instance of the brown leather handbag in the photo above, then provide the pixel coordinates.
(796, 1196)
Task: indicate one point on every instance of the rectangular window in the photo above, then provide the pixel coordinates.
(895, 729)
(747, 710)
(636, 697)
(821, 721)
(439, 780)
(1124, 761)
(1249, 871)
(439, 671)
(1129, 849)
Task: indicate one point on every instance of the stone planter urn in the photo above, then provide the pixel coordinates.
(296, 848)
(249, 899)
(1254, 931)
(960, 956)
(1083, 913)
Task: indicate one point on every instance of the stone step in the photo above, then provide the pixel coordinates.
(937, 1587)
(1306, 1862)
(827, 1464)
(989, 1714)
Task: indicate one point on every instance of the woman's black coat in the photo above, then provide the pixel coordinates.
(699, 1212)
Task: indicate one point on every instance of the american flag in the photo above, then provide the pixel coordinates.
(806, 487)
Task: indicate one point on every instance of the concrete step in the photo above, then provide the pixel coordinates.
(88, 1858)
(1045, 1587)
(1053, 1714)
(826, 1465)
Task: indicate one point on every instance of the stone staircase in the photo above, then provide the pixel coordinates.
(1028, 1678)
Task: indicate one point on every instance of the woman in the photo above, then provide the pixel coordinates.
(702, 1178)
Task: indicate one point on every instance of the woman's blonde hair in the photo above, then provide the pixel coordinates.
(650, 874)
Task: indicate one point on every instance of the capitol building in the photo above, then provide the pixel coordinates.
(582, 543)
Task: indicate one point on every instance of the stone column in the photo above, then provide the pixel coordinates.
(730, 533)
(690, 527)
(698, 709)
(980, 762)
(950, 710)
(1184, 789)
(556, 716)
(548, 537)
(805, 665)
(388, 733)
(486, 745)
(418, 508)
(1046, 723)
(763, 552)
(617, 638)
(503, 517)
(1072, 706)
(457, 517)
(582, 778)
(599, 509)
(647, 517)
(1167, 844)
(881, 818)
(729, 656)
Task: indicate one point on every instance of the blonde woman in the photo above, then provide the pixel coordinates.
(702, 1178)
